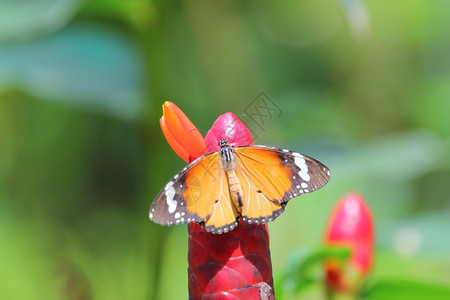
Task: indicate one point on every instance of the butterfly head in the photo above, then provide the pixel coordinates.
(226, 152)
(223, 143)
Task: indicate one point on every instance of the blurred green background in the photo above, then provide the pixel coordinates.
(363, 86)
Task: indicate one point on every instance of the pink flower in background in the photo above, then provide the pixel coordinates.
(350, 225)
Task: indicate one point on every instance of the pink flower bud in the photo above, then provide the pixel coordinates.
(351, 226)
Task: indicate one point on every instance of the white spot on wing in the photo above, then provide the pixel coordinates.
(304, 185)
(304, 175)
(301, 163)
(151, 216)
(170, 194)
(177, 215)
(168, 186)
(176, 176)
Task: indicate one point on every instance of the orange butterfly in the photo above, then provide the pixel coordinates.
(252, 182)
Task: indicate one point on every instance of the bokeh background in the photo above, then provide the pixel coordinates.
(363, 86)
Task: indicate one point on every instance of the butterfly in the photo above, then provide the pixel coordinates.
(250, 182)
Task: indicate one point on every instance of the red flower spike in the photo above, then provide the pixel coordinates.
(180, 133)
(233, 265)
(228, 266)
(350, 225)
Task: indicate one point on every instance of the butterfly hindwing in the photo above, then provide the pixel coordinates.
(208, 195)
(263, 181)
(224, 214)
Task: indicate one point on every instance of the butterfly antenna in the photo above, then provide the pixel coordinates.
(201, 131)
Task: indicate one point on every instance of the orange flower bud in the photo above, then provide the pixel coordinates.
(182, 136)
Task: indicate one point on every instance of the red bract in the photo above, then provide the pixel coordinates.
(350, 225)
(233, 265)
(228, 127)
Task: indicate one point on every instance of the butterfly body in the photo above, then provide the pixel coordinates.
(251, 182)
(228, 162)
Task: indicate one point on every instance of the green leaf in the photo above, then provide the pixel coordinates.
(323, 253)
(27, 19)
(302, 264)
(406, 289)
(84, 65)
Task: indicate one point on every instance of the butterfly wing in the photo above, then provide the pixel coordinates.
(199, 193)
(224, 214)
(271, 176)
(170, 205)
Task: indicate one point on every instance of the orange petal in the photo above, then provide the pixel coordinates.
(187, 124)
(172, 142)
(183, 131)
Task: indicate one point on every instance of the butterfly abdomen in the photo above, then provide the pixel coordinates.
(235, 189)
(229, 166)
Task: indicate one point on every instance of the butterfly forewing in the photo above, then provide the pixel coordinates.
(307, 174)
(171, 205)
(199, 193)
(272, 176)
